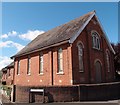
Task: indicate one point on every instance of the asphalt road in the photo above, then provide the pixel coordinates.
(64, 104)
(74, 103)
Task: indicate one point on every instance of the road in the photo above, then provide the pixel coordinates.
(67, 103)
(64, 104)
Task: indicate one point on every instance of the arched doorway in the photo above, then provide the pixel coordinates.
(98, 69)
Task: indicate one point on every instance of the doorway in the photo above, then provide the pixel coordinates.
(98, 69)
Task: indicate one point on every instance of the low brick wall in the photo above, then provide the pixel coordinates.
(52, 94)
(87, 92)
(100, 92)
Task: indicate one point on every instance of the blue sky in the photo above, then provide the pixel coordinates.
(22, 21)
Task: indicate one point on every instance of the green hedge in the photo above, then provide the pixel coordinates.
(7, 89)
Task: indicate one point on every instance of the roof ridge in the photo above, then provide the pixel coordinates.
(57, 34)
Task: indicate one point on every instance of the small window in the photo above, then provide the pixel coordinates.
(80, 57)
(41, 63)
(60, 60)
(95, 40)
(18, 67)
(9, 72)
(29, 65)
(108, 61)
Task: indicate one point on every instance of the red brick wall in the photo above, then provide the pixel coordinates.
(88, 92)
(66, 77)
(90, 55)
(52, 94)
(8, 76)
(35, 79)
(71, 73)
(9, 80)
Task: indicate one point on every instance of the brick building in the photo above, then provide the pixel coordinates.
(72, 54)
(7, 74)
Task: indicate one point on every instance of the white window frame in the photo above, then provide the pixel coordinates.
(95, 40)
(60, 61)
(29, 66)
(80, 47)
(41, 63)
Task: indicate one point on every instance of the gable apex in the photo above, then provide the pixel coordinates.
(72, 39)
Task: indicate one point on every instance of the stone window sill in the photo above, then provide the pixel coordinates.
(60, 73)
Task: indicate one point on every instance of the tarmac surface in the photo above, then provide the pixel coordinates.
(94, 103)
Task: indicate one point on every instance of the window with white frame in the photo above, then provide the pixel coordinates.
(29, 65)
(80, 57)
(41, 63)
(18, 67)
(108, 60)
(60, 60)
(95, 40)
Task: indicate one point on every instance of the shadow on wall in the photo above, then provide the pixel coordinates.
(39, 98)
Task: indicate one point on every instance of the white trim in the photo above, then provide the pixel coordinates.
(81, 29)
(96, 32)
(105, 36)
(60, 73)
(36, 90)
(98, 60)
(80, 42)
(96, 40)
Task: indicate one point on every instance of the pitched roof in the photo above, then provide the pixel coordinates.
(59, 34)
(64, 33)
(9, 66)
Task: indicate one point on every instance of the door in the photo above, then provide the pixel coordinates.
(98, 69)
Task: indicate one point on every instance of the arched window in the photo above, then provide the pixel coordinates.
(108, 60)
(80, 56)
(60, 60)
(95, 40)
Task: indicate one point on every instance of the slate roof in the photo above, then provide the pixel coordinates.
(61, 33)
(56, 35)
(9, 66)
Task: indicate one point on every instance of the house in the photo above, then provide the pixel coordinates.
(4, 76)
(72, 54)
(7, 74)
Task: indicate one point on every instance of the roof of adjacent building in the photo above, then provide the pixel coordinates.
(64, 33)
(9, 66)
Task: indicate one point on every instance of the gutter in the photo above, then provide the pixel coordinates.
(40, 49)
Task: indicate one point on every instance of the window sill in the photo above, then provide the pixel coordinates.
(29, 74)
(96, 48)
(60, 73)
(41, 74)
(81, 71)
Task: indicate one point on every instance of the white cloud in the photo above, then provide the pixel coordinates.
(30, 35)
(4, 36)
(4, 61)
(11, 44)
(9, 34)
